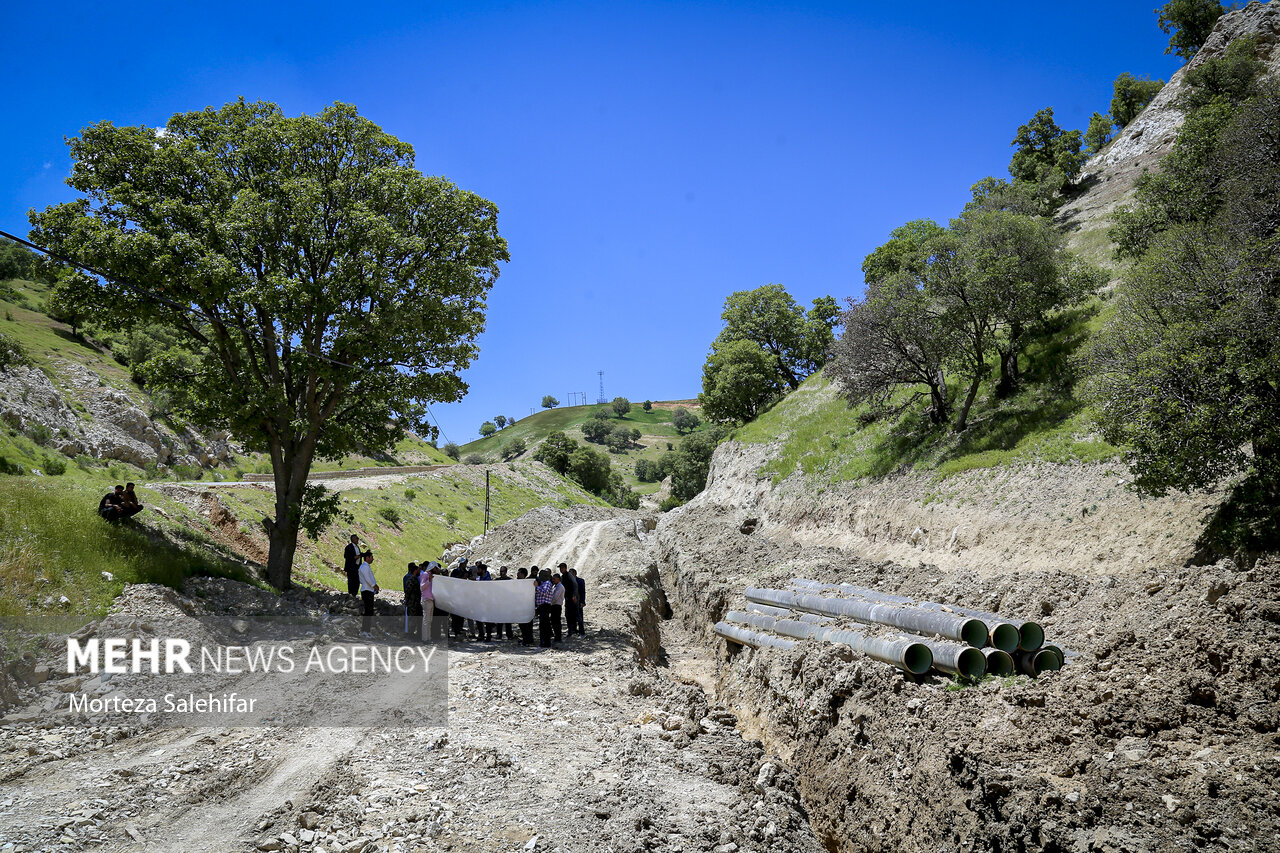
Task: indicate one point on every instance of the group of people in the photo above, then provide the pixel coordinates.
(120, 503)
(559, 600)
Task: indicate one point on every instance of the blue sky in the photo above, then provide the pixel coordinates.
(648, 159)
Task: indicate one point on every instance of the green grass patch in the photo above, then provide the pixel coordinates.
(821, 435)
(56, 546)
(445, 509)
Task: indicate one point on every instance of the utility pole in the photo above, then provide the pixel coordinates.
(486, 501)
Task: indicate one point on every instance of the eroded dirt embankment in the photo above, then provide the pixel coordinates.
(1160, 735)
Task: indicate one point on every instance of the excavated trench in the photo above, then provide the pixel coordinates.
(1161, 735)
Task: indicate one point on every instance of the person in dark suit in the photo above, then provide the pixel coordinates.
(570, 598)
(582, 600)
(111, 507)
(351, 565)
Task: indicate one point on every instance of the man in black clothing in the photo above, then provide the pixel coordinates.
(351, 565)
(570, 598)
(131, 505)
(111, 507)
(457, 624)
(582, 600)
(412, 603)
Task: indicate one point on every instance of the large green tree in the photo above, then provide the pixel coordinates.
(1189, 22)
(1046, 154)
(738, 380)
(323, 287)
(1130, 96)
(769, 317)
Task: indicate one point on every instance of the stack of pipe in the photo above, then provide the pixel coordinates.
(934, 635)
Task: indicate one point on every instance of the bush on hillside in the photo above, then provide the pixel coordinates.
(621, 405)
(684, 420)
(11, 353)
(1130, 96)
(390, 514)
(452, 451)
(474, 459)
(555, 451)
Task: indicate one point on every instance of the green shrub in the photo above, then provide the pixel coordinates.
(474, 459)
(7, 467)
(451, 518)
(11, 352)
(670, 504)
(39, 433)
(55, 466)
(410, 494)
(187, 472)
(391, 514)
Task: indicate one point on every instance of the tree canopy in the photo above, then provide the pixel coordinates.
(1130, 96)
(1045, 152)
(1189, 22)
(1187, 373)
(549, 402)
(769, 317)
(738, 381)
(324, 289)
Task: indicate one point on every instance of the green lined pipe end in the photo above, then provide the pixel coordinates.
(917, 659)
(974, 632)
(1005, 637)
(999, 662)
(1030, 636)
(971, 664)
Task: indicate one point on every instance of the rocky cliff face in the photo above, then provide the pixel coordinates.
(1108, 178)
(87, 415)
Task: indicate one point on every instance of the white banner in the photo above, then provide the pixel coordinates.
(486, 601)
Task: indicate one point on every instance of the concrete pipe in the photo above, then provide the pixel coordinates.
(909, 654)
(1019, 635)
(913, 619)
(1034, 663)
(768, 610)
(751, 638)
(1003, 633)
(957, 658)
(999, 662)
(1057, 650)
(850, 589)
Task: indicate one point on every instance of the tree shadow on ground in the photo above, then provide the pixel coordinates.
(1044, 402)
(1244, 527)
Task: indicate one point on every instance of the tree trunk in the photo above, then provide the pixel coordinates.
(940, 408)
(1008, 372)
(291, 466)
(284, 543)
(962, 422)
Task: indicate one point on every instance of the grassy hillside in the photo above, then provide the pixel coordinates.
(415, 519)
(55, 547)
(820, 434)
(656, 432)
(51, 346)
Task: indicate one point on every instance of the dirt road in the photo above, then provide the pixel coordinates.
(584, 747)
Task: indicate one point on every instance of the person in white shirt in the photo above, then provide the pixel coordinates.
(368, 589)
(557, 606)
